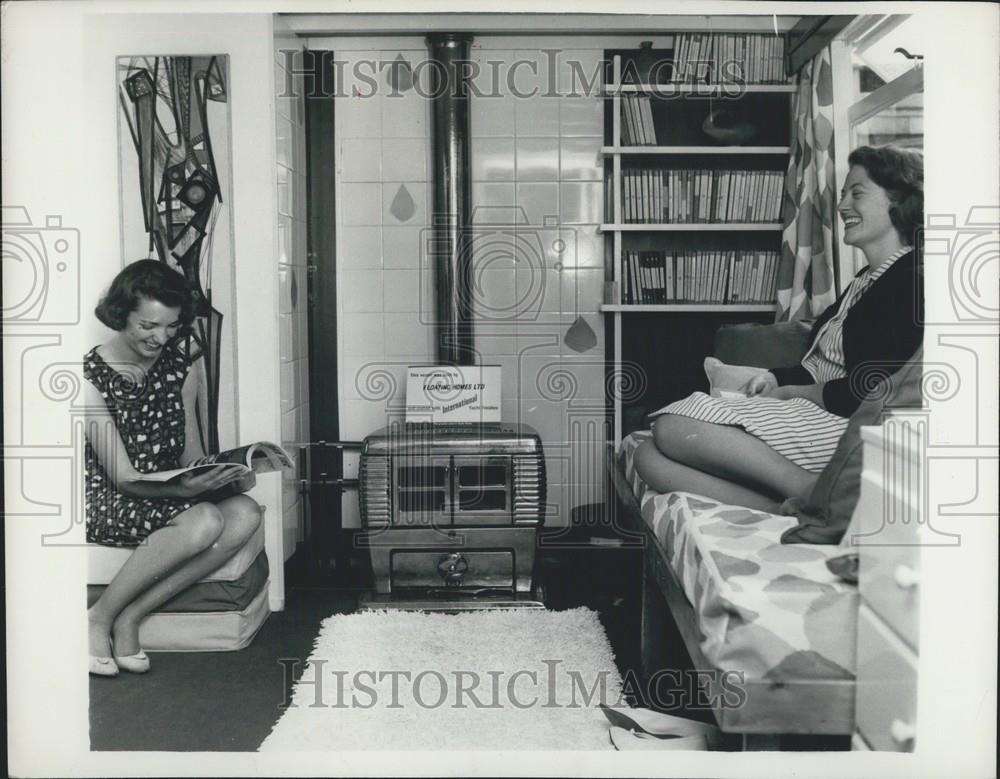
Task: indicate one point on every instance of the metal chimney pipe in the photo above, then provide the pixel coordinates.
(450, 130)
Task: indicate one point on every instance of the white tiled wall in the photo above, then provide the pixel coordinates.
(292, 270)
(538, 258)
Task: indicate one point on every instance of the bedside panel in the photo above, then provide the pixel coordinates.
(886, 532)
(886, 688)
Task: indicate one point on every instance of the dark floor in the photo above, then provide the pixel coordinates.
(229, 701)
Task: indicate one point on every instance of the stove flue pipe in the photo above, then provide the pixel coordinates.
(450, 242)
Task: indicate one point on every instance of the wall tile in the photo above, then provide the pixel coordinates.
(536, 116)
(579, 160)
(302, 387)
(286, 337)
(291, 288)
(545, 416)
(364, 335)
(416, 196)
(581, 203)
(537, 159)
(403, 245)
(287, 376)
(495, 293)
(492, 159)
(493, 203)
(406, 116)
(359, 418)
(581, 116)
(492, 117)
(284, 229)
(495, 338)
(541, 333)
(585, 246)
(289, 426)
(399, 288)
(360, 160)
(361, 204)
(596, 322)
(404, 159)
(362, 290)
(579, 72)
(582, 290)
(359, 117)
(360, 247)
(285, 141)
(284, 191)
(407, 335)
(538, 290)
(301, 334)
(540, 202)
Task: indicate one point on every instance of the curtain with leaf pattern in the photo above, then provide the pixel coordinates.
(805, 273)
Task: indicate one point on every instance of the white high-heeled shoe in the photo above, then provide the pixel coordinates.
(627, 740)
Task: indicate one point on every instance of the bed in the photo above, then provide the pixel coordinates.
(771, 631)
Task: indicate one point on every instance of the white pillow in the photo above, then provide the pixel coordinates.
(726, 381)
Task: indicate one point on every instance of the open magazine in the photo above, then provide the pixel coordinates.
(261, 457)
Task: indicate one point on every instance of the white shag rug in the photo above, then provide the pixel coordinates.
(398, 680)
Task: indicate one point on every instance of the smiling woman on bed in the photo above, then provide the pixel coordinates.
(758, 451)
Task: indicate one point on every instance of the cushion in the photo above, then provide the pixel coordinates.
(208, 595)
(727, 381)
(763, 346)
(204, 631)
(824, 515)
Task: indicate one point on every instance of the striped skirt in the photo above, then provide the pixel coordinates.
(797, 429)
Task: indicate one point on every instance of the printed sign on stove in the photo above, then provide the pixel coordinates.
(453, 393)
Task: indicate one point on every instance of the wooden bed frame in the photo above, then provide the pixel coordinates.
(771, 709)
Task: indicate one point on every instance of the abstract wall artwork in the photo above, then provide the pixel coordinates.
(174, 165)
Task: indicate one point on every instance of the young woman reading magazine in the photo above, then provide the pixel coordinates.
(141, 402)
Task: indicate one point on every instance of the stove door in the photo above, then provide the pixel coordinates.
(482, 490)
(423, 491)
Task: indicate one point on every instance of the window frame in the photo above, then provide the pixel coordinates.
(858, 36)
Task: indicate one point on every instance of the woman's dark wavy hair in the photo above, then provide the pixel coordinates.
(900, 172)
(150, 279)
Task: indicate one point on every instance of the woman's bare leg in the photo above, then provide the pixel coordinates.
(188, 534)
(666, 475)
(732, 454)
(240, 519)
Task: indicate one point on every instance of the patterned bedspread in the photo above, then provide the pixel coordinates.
(771, 610)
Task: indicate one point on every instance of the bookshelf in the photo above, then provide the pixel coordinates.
(694, 165)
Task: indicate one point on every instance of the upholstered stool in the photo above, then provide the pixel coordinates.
(221, 612)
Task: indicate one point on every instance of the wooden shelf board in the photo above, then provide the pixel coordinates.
(695, 150)
(692, 227)
(684, 307)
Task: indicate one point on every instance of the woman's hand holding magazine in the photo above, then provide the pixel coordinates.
(206, 481)
(226, 473)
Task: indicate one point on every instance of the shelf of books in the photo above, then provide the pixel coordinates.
(697, 145)
(606, 150)
(720, 277)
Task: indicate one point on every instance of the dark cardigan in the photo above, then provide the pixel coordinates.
(881, 332)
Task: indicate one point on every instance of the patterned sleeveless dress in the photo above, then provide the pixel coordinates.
(150, 419)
